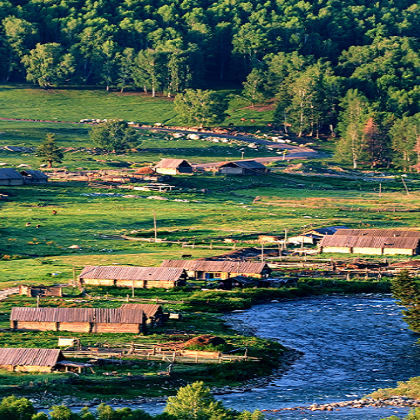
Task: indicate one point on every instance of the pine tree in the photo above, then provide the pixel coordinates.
(49, 152)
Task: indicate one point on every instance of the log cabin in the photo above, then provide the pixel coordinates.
(173, 167)
(86, 320)
(41, 290)
(137, 277)
(37, 360)
(206, 270)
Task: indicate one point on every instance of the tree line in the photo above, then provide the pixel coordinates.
(192, 402)
(350, 70)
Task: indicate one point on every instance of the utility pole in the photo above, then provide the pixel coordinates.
(155, 226)
(380, 190)
(405, 185)
(285, 238)
(262, 251)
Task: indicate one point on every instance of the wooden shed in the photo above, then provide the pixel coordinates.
(8, 176)
(205, 270)
(154, 313)
(30, 176)
(173, 167)
(242, 167)
(37, 360)
(90, 320)
(34, 291)
(137, 277)
(372, 241)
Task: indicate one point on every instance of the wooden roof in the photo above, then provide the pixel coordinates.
(30, 357)
(150, 310)
(32, 173)
(348, 241)
(245, 267)
(378, 233)
(172, 163)
(97, 315)
(131, 273)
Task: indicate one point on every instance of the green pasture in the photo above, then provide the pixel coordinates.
(26, 101)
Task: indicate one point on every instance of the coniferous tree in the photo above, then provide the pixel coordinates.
(49, 152)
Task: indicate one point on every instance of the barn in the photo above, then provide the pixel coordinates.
(137, 277)
(205, 270)
(242, 167)
(8, 176)
(87, 320)
(37, 360)
(173, 167)
(154, 313)
(372, 241)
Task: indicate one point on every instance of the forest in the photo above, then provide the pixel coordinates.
(349, 70)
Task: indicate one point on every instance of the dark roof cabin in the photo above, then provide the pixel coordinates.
(242, 167)
(372, 241)
(31, 176)
(90, 320)
(37, 360)
(153, 312)
(173, 167)
(138, 277)
(9, 176)
(201, 269)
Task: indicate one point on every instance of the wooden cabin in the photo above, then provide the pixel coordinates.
(31, 176)
(206, 270)
(372, 242)
(173, 167)
(154, 313)
(90, 320)
(37, 360)
(34, 291)
(137, 277)
(241, 167)
(8, 176)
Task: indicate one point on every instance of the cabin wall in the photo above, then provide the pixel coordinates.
(117, 328)
(75, 326)
(399, 251)
(138, 284)
(33, 325)
(369, 251)
(342, 249)
(167, 171)
(98, 282)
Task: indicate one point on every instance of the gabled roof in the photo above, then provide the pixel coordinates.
(98, 315)
(379, 233)
(150, 310)
(32, 173)
(131, 273)
(217, 266)
(9, 173)
(348, 241)
(245, 164)
(172, 163)
(30, 357)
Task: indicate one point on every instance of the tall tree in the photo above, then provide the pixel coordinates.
(200, 106)
(49, 152)
(352, 145)
(253, 90)
(126, 69)
(148, 73)
(114, 136)
(47, 65)
(406, 291)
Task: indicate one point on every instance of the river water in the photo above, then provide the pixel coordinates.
(352, 346)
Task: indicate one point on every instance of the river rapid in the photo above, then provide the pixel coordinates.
(352, 346)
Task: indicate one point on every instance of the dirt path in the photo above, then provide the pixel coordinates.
(293, 152)
(4, 294)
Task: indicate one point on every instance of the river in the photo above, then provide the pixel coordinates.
(352, 346)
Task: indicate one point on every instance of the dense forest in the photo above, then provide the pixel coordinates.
(341, 67)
